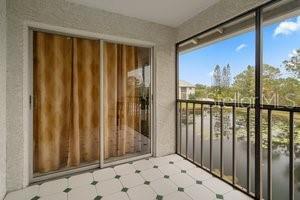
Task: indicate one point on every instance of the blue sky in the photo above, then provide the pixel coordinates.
(279, 42)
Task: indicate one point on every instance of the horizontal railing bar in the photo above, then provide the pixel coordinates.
(219, 103)
(280, 108)
(242, 105)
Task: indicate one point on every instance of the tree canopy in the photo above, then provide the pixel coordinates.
(293, 64)
(278, 89)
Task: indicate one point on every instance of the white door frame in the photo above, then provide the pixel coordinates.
(29, 26)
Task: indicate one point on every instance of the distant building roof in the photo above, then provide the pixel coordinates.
(185, 84)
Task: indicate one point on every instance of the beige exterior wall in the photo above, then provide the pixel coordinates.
(2, 98)
(69, 15)
(185, 92)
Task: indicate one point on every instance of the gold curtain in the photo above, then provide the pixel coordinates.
(122, 110)
(66, 101)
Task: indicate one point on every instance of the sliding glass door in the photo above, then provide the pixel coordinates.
(72, 110)
(66, 102)
(127, 112)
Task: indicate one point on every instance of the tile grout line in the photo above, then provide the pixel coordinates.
(209, 179)
(123, 185)
(196, 183)
(38, 190)
(144, 182)
(134, 186)
(95, 185)
(170, 174)
(150, 183)
(201, 181)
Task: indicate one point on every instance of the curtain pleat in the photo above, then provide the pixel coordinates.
(86, 68)
(111, 112)
(66, 102)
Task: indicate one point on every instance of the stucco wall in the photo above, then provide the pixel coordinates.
(220, 12)
(61, 13)
(2, 98)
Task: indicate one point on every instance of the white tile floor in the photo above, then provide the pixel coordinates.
(168, 178)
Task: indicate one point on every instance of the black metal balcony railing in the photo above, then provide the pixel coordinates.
(186, 108)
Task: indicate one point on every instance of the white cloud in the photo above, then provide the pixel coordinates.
(211, 73)
(240, 47)
(293, 53)
(287, 27)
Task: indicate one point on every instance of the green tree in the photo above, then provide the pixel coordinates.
(201, 91)
(244, 84)
(277, 89)
(226, 76)
(271, 84)
(289, 91)
(217, 76)
(192, 97)
(293, 64)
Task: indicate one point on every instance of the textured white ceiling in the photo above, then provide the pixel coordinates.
(166, 12)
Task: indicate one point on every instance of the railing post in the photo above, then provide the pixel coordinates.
(194, 135)
(186, 129)
(258, 91)
(177, 127)
(221, 138)
(202, 115)
(248, 150)
(210, 138)
(180, 127)
(233, 146)
(270, 154)
(291, 137)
